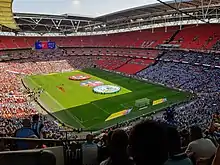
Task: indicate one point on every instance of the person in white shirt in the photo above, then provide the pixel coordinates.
(89, 151)
(200, 147)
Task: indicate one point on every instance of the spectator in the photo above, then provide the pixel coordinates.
(148, 143)
(118, 149)
(37, 126)
(176, 157)
(216, 160)
(200, 147)
(104, 148)
(190, 71)
(24, 132)
(89, 151)
(216, 46)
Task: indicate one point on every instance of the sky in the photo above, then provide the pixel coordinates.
(90, 8)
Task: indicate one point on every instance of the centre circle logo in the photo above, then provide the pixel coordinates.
(106, 89)
(91, 83)
(79, 77)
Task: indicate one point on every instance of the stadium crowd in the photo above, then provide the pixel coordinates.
(189, 77)
(181, 70)
(216, 46)
(197, 58)
(151, 142)
(15, 101)
(15, 105)
(200, 112)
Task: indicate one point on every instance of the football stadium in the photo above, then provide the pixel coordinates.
(82, 82)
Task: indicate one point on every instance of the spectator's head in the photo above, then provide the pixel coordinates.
(118, 148)
(35, 118)
(174, 142)
(89, 138)
(119, 141)
(110, 136)
(185, 133)
(105, 139)
(195, 133)
(148, 143)
(26, 123)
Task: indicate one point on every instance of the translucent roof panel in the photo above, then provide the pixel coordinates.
(6, 15)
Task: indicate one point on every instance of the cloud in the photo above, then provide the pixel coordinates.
(76, 2)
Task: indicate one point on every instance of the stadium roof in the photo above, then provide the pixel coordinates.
(6, 15)
(30, 22)
(155, 15)
(163, 13)
(159, 8)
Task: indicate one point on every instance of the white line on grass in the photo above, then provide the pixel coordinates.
(100, 108)
(63, 108)
(60, 105)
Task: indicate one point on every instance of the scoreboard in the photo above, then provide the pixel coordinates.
(45, 45)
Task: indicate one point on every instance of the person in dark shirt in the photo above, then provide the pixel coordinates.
(176, 156)
(104, 152)
(118, 149)
(37, 126)
(148, 143)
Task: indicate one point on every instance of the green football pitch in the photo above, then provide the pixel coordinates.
(78, 106)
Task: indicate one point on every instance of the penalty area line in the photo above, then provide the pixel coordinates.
(100, 108)
(70, 114)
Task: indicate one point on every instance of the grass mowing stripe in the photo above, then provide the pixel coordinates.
(71, 115)
(60, 105)
(101, 108)
(92, 109)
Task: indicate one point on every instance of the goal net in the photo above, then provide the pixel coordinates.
(142, 102)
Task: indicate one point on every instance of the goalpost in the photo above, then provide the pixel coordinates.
(142, 102)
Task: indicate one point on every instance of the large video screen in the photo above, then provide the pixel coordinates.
(45, 45)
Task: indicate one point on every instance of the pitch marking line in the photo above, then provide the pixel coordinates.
(74, 117)
(101, 108)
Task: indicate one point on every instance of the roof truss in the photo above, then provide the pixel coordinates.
(50, 23)
(155, 15)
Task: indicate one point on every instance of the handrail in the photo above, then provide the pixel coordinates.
(29, 139)
(41, 140)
